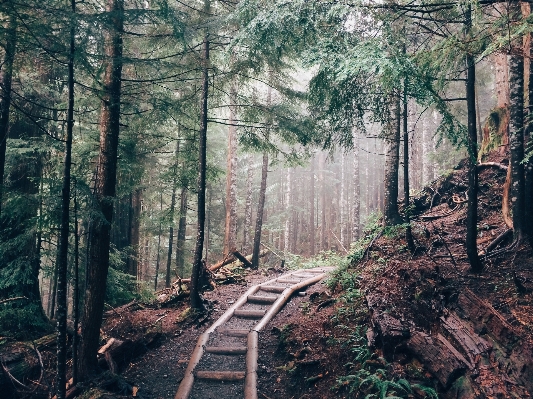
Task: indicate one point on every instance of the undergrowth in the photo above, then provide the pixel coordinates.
(369, 376)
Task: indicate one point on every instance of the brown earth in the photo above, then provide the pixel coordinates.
(426, 318)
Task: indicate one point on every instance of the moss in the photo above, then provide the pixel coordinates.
(494, 131)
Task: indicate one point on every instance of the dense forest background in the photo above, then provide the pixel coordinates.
(142, 139)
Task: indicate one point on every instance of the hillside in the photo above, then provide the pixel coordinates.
(403, 323)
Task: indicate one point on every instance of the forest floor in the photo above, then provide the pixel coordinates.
(387, 323)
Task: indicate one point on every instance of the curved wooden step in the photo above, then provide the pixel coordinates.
(226, 350)
(221, 375)
(272, 288)
(249, 314)
(262, 299)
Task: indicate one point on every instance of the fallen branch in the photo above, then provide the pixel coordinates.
(367, 249)
(497, 241)
(492, 164)
(243, 259)
(12, 299)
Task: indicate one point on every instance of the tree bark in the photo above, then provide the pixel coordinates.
(528, 167)
(391, 215)
(135, 224)
(312, 228)
(516, 128)
(170, 237)
(62, 253)
(471, 213)
(105, 190)
(6, 73)
(182, 229)
(158, 260)
(356, 206)
(248, 205)
(288, 213)
(262, 196)
(196, 300)
(260, 211)
(230, 231)
(406, 202)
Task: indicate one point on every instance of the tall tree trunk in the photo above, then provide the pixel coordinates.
(427, 170)
(76, 292)
(248, 205)
(62, 253)
(197, 266)
(471, 213)
(135, 224)
(312, 228)
(342, 202)
(323, 231)
(406, 202)
(392, 163)
(170, 236)
(158, 259)
(105, 189)
(528, 167)
(182, 229)
(230, 231)
(6, 73)
(260, 212)
(288, 213)
(356, 206)
(516, 128)
(262, 196)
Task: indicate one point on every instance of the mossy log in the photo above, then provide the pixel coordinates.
(21, 360)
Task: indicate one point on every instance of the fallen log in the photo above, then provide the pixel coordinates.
(227, 261)
(20, 360)
(243, 259)
(116, 354)
(439, 356)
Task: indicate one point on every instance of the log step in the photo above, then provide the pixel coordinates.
(272, 288)
(262, 299)
(221, 375)
(299, 275)
(226, 350)
(249, 314)
(287, 281)
(233, 332)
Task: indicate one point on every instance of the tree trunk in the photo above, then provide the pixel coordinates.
(158, 260)
(196, 300)
(105, 190)
(392, 163)
(230, 231)
(262, 196)
(312, 209)
(182, 229)
(6, 73)
(133, 259)
(62, 252)
(260, 211)
(516, 129)
(342, 203)
(170, 237)
(528, 167)
(76, 293)
(356, 206)
(322, 167)
(288, 213)
(471, 213)
(248, 205)
(406, 202)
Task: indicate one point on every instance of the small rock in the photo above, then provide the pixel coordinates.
(165, 376)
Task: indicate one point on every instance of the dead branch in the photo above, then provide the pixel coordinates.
(367, 249)
(492, 164)
(243, 259)
(497, 240)
(12, 299)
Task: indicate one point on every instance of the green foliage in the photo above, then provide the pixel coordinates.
(323, 259)
(23, 320)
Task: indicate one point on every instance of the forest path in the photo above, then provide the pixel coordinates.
(224, 361)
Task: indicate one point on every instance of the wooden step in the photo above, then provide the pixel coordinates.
(226, 350)
(249, 314)
(272, 288)
(261, 299)
(306, 276)
(287, 281)
(233, 332)
(221, 375)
